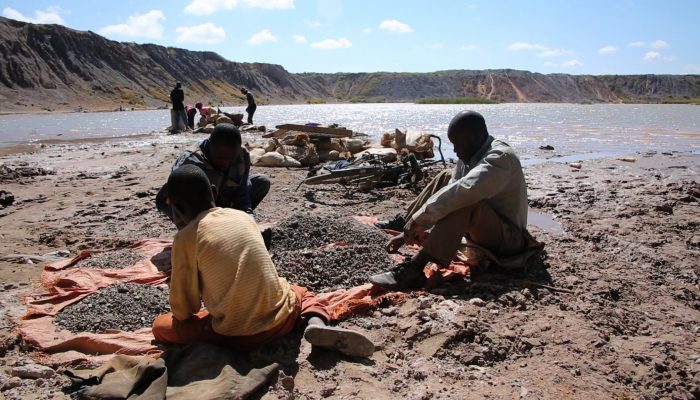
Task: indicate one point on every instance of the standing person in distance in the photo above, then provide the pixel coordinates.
(251, 104)
(177, 97)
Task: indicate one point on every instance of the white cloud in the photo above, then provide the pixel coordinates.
(261, 37)
(299, 38)
(208, 7)
(367, 30)
(438, 45)
(393, 25)
(525, 46)
(637, 44)
(312, 24)
(330, 44)
(204, 33)
(138, 25)
(51, 15)
(554, 53)
(652, 56)
(468, 47)
(607, 50)
(269, 4)
(565, 64)
(472, 6)
(658, 44)
(572, 63)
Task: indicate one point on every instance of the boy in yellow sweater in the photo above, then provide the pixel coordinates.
(219, 258)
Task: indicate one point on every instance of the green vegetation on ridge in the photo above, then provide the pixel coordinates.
(456, 100)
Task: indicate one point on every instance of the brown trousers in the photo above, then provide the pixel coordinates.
(479, 222)
(198, 328)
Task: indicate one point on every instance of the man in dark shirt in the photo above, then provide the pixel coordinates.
(227, 166)
(177, 96)
(251, 104)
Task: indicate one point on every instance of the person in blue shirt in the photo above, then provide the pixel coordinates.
(227, 166)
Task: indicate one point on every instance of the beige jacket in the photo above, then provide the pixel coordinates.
(493, 175)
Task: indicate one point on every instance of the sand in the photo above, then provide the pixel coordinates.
(611, 310)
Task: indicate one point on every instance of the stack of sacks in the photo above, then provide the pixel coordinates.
(416, 142)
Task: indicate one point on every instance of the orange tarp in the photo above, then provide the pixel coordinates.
(63, 286)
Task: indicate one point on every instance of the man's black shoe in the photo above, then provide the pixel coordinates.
(395, 224)
(407, 275)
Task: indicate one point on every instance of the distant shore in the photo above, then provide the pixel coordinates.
(437, 100)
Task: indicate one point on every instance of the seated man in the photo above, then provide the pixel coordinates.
(219, 258)
(227, 165)
(484, 198)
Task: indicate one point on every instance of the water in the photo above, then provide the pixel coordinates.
(574, 130)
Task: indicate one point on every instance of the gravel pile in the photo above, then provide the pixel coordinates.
(304, 231)
(123, 306)
(332, 268)
(115, 259)
(296, 254)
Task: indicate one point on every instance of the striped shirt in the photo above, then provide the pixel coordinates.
(220, 258)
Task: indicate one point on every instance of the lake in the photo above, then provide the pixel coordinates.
(572, 129)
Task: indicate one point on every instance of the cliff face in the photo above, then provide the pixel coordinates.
(53, 67)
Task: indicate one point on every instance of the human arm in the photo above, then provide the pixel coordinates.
(485, 180)
(241, 197)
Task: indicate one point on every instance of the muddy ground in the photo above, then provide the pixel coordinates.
(611, 310)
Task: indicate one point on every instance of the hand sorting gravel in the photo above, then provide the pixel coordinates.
(124, 306)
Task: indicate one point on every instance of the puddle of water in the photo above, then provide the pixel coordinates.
(572, 158)
(545, 221)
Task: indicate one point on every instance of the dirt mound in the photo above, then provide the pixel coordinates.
(124, 306)
(117, 259)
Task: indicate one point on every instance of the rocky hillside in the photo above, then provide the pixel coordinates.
(51, 67)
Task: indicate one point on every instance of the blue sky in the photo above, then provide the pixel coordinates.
(576, 37)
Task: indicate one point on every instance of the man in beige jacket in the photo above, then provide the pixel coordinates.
(483, 198)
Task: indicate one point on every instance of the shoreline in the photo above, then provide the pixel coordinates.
(75, 110)
(627, 264)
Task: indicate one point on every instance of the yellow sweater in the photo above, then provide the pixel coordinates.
(220, 258)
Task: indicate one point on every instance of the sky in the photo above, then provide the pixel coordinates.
(574, 37)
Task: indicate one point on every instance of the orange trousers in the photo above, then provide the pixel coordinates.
(198, 328)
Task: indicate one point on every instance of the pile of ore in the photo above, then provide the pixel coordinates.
(124, 306)
(309, 231)
(115, 259)
(301, 253)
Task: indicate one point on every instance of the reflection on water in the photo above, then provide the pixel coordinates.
(570, 128)
(545, 222)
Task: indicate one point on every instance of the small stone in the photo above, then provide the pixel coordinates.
(424, 302)
(477, 302)
(523, 392)
(531, 342)
(328, 391)
(12, 383)
(287, 383)
(33, 371)
(389, 311)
